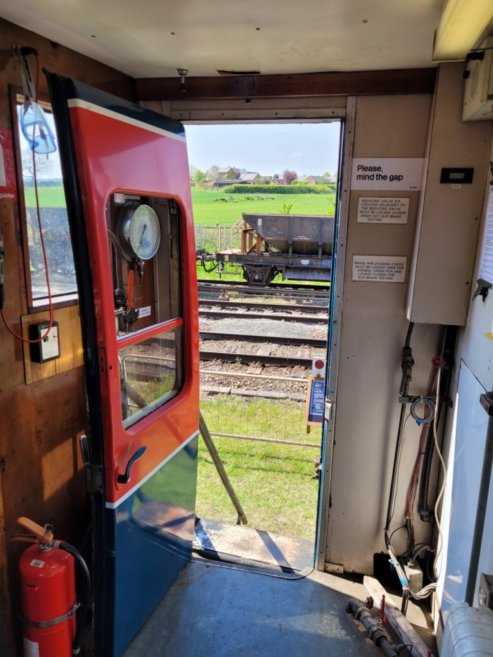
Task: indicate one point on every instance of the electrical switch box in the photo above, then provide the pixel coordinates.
(47, 346)
(450, 213)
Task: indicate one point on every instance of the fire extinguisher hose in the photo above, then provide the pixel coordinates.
(85, 596)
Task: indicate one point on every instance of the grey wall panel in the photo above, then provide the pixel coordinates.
(450, 218)
(372, 334)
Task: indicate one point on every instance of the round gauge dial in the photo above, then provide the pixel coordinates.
(140, 232)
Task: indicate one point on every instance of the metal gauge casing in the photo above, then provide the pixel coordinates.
(139, 231)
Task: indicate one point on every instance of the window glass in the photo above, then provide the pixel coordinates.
(150, 374)
(46, 170)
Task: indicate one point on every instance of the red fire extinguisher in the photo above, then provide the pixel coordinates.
(53, 618)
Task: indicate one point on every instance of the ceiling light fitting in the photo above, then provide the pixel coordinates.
(463, 23)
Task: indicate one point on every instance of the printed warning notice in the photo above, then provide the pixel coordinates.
(379, 269)
(387, 173)
(383, 210)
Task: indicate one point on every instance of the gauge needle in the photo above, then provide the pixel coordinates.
(142, 234)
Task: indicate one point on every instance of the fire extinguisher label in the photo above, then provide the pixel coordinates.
(31, 648)
(37, 563)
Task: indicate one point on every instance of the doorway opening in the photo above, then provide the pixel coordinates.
(264, 199)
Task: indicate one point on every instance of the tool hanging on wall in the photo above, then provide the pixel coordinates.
(33, 122)
(53, 617)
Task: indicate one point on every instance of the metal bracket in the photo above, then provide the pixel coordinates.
(486, 401)
(94, 479)
(410, 399)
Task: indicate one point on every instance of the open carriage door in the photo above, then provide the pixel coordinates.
(127, 187)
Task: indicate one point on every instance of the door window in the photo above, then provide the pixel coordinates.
(144, 240)
(43, 193)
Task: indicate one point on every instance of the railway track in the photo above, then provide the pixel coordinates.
(289, 340)
(151, 367)
(263, 305)
(223, 314)
(312, 293)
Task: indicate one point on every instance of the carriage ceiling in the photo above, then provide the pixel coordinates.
(153, 38)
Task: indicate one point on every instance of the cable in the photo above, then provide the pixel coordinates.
(428, 412)
(395, 487)
(444, 480)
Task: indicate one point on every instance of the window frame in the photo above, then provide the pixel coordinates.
(42, 303)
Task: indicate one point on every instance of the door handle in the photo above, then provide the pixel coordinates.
(125, 477)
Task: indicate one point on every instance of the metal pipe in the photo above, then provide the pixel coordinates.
(375, 632)
(204, 431)
(484, 487)
(406, 366)
(259, 439)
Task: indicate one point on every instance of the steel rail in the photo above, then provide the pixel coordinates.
(271, 339)
(272, 286)
(227, 357)
(247, 375)
(260, 305)
(301, 319)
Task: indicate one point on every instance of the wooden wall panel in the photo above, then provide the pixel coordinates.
(70, 338)
(40, 421)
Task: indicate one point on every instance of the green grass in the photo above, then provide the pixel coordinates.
(212, 207)
(273, 482)
(49, 197)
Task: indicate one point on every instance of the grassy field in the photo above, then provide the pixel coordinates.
(216, 207)
(212, 207)
(273, 482)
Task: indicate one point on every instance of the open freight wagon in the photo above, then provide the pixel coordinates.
(299, 247)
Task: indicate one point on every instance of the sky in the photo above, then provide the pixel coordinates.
(266, 148)
(307, 148)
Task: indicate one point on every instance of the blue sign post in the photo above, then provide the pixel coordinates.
(315, 400)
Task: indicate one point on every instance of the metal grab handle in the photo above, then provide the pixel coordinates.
(125, 477)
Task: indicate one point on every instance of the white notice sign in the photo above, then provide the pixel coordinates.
(387, 173)
(382, 210)
(380, 269)
(486, 264)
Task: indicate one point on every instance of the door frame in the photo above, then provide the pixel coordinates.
(303, 110)
(336, 304)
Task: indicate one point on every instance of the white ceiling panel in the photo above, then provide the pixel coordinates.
(149, 38)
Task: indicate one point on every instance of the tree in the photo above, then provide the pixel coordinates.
(212, 173)
(196, 175)
(288, 176)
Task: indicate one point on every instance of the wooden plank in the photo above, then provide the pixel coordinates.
(397, 81)
(398, 622)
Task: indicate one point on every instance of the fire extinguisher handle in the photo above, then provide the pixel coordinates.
(42, 534)
(125, 477)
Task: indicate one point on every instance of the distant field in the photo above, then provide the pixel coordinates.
(49, 197)
(216, 207)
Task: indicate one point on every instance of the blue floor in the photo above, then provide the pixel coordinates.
(215, 610)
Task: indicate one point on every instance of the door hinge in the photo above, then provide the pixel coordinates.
(329, 410)
(94, 479)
